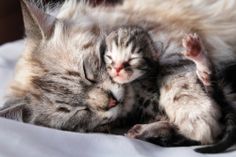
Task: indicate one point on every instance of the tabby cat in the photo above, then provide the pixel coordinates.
(191, 100)
(59, 81)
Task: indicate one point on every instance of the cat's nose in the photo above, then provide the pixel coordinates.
(112, 101)
(119, 68)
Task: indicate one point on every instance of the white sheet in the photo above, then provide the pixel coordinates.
(25, 140)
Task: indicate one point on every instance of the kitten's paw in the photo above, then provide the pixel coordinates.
(160, 133)
(195, 52)
(192, 44)
(136, 131)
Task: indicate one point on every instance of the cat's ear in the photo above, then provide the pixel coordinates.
(38, 25)
(12, 111)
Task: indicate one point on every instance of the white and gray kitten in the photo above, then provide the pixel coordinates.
(124, 57)
(194, 108)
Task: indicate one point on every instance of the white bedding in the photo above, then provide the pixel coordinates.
(24, 140)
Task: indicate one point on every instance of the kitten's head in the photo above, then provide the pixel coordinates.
(128, 53)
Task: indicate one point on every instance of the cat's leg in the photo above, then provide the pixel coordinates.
(161, 133)
(195, 51)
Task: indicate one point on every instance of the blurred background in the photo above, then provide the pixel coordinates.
(11, 23)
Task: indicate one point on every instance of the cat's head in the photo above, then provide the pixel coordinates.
(128, 55)
(60, 77)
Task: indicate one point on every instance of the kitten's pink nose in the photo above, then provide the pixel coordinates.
(119, 68)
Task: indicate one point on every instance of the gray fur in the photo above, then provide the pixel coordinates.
(190, 105)
(60, 78)
(62, 84)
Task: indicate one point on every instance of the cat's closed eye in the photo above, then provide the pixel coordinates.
(108, 58)
(88, 74)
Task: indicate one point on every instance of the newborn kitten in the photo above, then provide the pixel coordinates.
(193, 112)
(124, 56)
(205, 71)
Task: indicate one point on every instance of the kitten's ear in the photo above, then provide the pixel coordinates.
(38, 25)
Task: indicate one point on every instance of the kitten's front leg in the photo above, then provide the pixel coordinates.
(162, 133)
(195, 51)
(158, 132)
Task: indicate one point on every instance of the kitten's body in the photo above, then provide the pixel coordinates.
(190, 104)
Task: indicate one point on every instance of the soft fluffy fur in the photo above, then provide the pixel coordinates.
(193, 110)
(212, 20)
(59, 80)
(77, 26)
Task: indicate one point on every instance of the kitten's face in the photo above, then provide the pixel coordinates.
(125, 56)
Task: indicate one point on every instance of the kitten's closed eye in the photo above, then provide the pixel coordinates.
(135, 60)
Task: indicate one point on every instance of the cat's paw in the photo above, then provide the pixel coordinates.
(192, 44)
